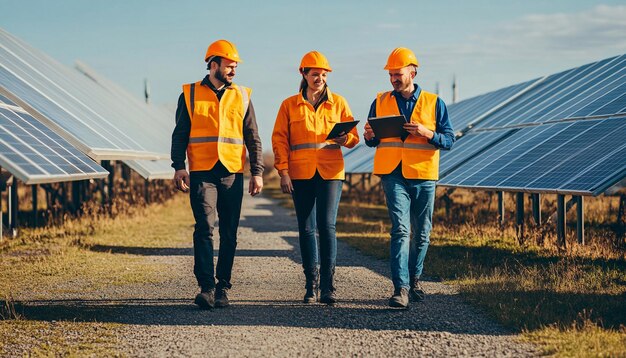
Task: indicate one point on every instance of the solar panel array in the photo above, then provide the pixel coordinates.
(578, 157)
(469, 112)
(593, 90)
(161, 119)
(84, 113)
(562, 133)
(35, 154)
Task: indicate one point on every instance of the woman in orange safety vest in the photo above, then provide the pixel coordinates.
(311, 169)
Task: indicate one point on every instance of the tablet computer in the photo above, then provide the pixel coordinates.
(388, 126)
(341, 128)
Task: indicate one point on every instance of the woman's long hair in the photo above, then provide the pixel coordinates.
(303, 83)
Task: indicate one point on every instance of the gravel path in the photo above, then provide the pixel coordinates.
(267, 318)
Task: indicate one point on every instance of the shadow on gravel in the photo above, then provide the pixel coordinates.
(368, 314)
(184, 251)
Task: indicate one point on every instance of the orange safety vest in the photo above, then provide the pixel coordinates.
(299, 137)
(420, 159)
(216, 126)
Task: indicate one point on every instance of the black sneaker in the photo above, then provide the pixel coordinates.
(400, 298)
(328, 297)
(416, 293)
(221, 297)
(206, 299)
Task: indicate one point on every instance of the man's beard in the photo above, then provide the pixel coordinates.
(222, 78)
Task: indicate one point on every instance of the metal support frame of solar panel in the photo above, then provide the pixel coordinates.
(78, 109)
(594, 90)
(35, 154)
(147, 169)
(582, 157)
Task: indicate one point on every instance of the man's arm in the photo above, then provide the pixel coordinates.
(253, 142)
(180, 136)
(373, 141)
(444, 136)
(180, 140)
(255, 149)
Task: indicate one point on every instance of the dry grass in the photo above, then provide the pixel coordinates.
(572, 302)
(80, 258)
(74, 258)
(58, 339)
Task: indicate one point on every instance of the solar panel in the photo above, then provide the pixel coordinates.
(466, 147)
(152, 169)
(551, 158)
(354, 155)
(568, 140)
(161, 119)
(82, 112)
(578, 92)
(602, 175)
(35, 154)
(492, 159)
(470, 111)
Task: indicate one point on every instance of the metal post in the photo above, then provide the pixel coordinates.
(106, 164)
(537, 208)
(560, 219)
(146, 191)
(580, 220)
(519, 208)
(14, 209)
(35, 188)
(77, 191)
(1, 214)
(501, 208)
(111, 181)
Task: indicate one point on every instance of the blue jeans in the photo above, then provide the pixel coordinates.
(316, 201)
(410, 204)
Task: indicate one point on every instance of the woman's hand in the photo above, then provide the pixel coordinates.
(341, 140)
(285, 184)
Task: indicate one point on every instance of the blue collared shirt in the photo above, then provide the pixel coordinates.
(444, 134)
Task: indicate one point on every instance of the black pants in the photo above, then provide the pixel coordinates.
(211, 190)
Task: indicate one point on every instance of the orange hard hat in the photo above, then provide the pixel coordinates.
(222, 48)
(401, 57)
(315, 59)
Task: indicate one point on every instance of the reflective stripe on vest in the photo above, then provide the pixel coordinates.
(407, 145)
(215, 139)
(315, 146)
(246, 99)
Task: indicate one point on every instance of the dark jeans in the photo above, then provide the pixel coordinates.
(316, 201)
(211, 190)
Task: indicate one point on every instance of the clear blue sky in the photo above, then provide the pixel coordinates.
(486, 44)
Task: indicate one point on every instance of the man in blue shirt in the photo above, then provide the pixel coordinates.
(409, 167)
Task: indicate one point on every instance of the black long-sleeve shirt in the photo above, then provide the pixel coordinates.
(180, 136)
